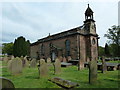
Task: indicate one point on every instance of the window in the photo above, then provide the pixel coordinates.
(42, 49)
(67, 46)
(93, 41)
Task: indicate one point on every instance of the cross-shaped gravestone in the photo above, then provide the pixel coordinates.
(92, 72)
(57, 66)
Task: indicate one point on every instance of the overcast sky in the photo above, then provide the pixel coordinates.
(35, 20)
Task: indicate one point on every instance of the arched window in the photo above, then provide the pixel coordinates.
(42, 49)
(67, 46)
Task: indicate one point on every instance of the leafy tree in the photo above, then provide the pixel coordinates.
(101, 51)
(7, 48)
(107, 52)
(113, 34)
(21, 47)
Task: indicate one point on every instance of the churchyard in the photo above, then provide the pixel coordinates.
(32, 74)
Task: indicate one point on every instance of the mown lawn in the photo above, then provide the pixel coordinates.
(29, 78)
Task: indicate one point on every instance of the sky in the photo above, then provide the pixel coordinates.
(35, 20)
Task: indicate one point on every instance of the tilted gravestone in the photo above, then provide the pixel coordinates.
(92, 72)
(43, 69)
(15, 66)
(57, 66)
(6, 83)
(104, 65)
(33, 63)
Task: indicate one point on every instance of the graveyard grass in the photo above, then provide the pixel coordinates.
(29, 78)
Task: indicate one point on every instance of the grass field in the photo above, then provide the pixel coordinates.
(29, 78)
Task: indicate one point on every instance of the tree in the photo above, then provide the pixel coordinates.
(21, 47)
(101, 51)
(7, 48)
(107, 52)
(113, 34)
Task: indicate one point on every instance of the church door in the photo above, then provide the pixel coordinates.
(53, 56)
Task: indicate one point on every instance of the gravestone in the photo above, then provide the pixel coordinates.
(9, 66)
(69, 58)
(33, 63)
(15, 66)
(104, 65)
(12, 57)
(64, 59)
(48, 60)
(5, 59)
(92, 72)
(60, 58)
(6, 83)
(25, 62)
(43, 69)
(57, 66)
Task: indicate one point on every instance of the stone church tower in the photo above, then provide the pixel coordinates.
(80, 43)
(91, 39)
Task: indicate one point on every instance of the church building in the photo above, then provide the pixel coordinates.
(80, 43)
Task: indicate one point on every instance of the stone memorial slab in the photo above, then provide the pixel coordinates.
(43, 68)
(15, 66)
(6, 83)
(33, 63)
(57, 66)
(92, 72)
(64, 83)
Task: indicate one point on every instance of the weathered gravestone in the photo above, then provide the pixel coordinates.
(43, 69)
(57, 66)
(12, 57)
(69, 58)
(33, 63)
(92, 72)
(48, 60)
(64, 59)
(60, 58)
(64, 83)
(104, 65)
(15, 66)
(25, 62)
(6, 83)
(5, 59)
(9, 65)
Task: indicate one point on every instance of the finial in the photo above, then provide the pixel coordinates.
(88, 5)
